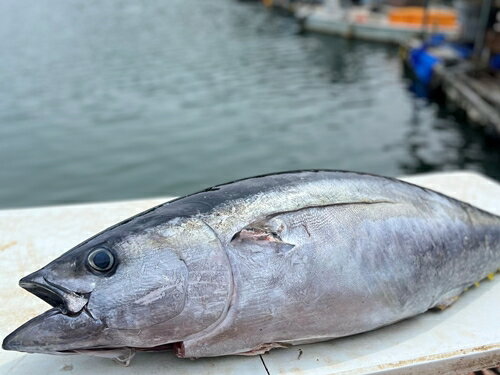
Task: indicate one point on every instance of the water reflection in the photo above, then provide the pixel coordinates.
(117, 100)
(448, 142)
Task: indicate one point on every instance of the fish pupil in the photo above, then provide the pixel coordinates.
(102, 260)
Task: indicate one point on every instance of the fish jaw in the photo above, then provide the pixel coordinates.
(53, 332)
(67, 326)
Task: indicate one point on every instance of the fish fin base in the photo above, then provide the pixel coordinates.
(179, 349)
(449, 298)
(261, 238)
(444, 304)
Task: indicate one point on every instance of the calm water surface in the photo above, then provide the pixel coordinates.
(116, 99)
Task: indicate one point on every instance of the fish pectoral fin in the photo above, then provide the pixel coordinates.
(260, 238)
(264, 348)
(121, 356)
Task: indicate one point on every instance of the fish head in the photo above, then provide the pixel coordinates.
(104, 292)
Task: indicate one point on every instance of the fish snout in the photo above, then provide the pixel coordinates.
(67, 301)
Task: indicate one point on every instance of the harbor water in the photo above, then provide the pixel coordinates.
(127, 99)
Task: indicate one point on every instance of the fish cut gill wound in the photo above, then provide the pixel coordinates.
(259, 263)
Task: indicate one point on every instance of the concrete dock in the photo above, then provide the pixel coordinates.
(478, 96)
(463, 86)
(463, 338)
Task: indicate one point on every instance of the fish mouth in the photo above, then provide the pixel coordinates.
(66, 301)
(69, 325)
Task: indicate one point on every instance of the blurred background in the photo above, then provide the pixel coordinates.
(121, 99)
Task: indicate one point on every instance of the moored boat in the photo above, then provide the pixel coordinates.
(384, 24)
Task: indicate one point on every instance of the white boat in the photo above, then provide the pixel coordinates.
(384, 26)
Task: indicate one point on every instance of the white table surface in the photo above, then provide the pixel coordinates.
(462, 338)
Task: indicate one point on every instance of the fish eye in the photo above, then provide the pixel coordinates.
(101, 259)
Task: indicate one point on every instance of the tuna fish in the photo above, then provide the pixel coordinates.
(259, 263)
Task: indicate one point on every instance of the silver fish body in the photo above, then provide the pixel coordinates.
(263, 262)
